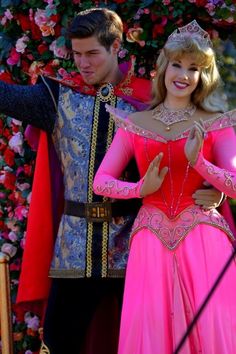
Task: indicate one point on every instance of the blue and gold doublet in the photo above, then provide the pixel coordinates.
(82, 133)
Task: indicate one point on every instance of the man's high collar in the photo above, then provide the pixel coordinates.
(76, 82)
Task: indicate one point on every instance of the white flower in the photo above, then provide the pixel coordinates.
(16, 143)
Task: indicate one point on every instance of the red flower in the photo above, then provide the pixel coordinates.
(6, 76)
(15, 128)
(2, 225)
(49, 69)
(29, 25)
(31, 332)
(3, 145)
(9, 181)
(9, 157)
(24, 22)
(42, 48)
(35, 31)
(57, 30)
(18, 198)
(14, 57)
(157, 29)
(28, 169)
(24, 66)
(7, 134)
(201, 2)
(14, 266)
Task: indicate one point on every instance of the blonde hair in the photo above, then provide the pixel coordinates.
(206, 94)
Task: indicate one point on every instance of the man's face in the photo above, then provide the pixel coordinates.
(96, 64)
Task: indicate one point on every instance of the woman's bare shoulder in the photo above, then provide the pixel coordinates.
(205, 115)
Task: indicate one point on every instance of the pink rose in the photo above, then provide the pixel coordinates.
(40, 17)
(2, 195)
(60, 52)
(21, 44)
(14, 57)
(7, 16)
(45, 23)
(21, 212)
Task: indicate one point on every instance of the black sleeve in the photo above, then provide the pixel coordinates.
(35, 105)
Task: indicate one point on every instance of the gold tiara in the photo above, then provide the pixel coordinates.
(192, 29)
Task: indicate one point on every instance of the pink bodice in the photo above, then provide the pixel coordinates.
(181, 181)
(170, 211)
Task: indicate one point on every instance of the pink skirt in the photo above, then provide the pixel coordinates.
(164, 289)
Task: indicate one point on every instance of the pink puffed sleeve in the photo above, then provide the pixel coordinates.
(222, 175)
(106, 181)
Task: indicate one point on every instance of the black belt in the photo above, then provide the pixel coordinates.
(100, 212)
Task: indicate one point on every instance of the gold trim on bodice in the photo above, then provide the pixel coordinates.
(172, 231)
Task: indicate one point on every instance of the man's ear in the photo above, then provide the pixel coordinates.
(116, 46)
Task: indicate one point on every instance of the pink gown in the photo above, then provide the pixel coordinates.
(177, 249)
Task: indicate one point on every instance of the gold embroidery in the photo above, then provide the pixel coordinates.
(105, 92)
(105, 229)
(224, 120)
(44, 349)
(123, 85)
(172, 231)
(211, 170)
(90, 186)
(114, 185)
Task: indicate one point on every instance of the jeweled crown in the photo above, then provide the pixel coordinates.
(191, 29)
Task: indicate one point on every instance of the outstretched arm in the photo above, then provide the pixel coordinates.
(30, 104)
(222, 175)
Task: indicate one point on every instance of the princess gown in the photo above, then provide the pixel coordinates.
(177, 249)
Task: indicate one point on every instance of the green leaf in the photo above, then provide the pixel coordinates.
(61, 41)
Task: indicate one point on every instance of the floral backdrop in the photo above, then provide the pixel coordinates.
(32, 39)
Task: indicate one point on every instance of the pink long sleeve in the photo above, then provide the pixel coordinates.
(222, 176)
(106, 181)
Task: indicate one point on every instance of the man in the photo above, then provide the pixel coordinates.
(90, 251)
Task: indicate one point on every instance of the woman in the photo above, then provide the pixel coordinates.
(177, 249)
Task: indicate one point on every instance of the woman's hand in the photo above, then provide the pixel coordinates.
(154, 177)
(194, 143)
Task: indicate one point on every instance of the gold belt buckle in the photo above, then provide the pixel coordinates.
(98, 212)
